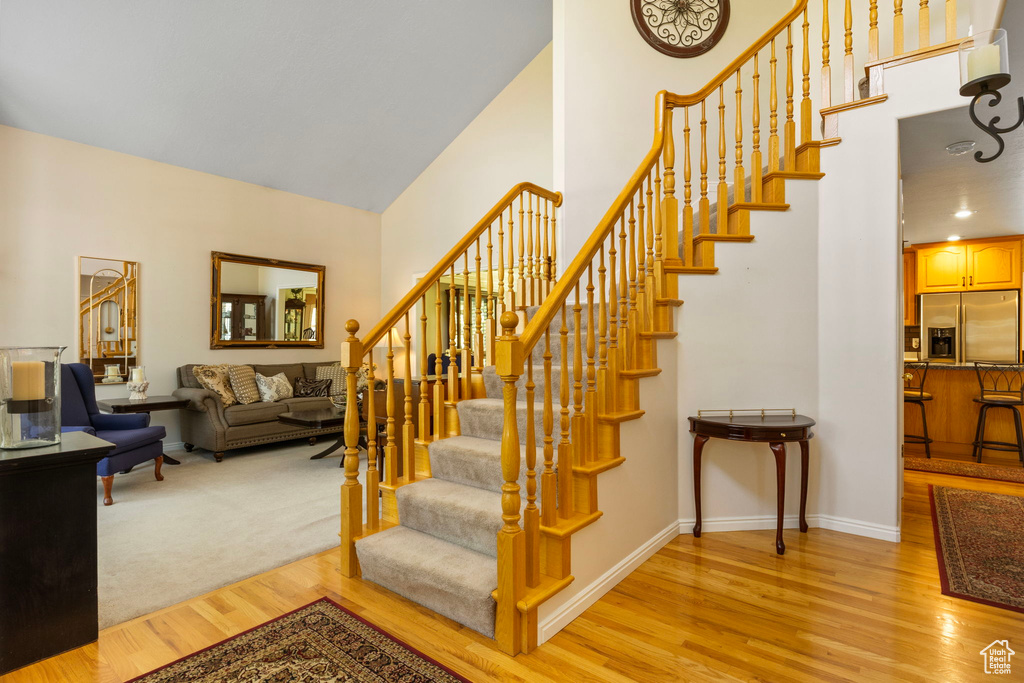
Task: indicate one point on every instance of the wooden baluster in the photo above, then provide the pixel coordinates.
(512, 252)
(740, 175)
(826, 68)
(613, 327)
(491, 309)
(591, 398)
(756, 160)
(872, 30)
(478, 310)
(773, 104)
(565, 508)
(531, 514)
(554, 245)
(722, 222)
(511, 541)
(579, 432)
(391, 450)
(924, 26)
(670, 206)
(372, 474)
(603, 389)
(704, 204)
(538, 279)
(849, 81)
(530, 262)
(408, 428)
(424, 414)
(687, 193)
(501, 259)
(951, 20)
(453, 353)
(651, 211)
(628, 256)
(548, 481)
(623, 301)
(806, 108)
(438, 399)
(467, 330)
(641, 266)
(351, 490)
(632, 313)
(897, 27)
(547, 252)
(790, 129)
(659, 221)
(521, 283)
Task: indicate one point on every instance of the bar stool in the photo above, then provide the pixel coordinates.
(1002, 386)
(914, 376)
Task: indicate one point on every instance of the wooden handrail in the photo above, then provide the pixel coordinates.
(428, 280)
(674, 100)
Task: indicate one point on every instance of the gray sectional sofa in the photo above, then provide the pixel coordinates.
(208, 424)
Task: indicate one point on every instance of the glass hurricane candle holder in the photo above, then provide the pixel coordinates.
(29, 396)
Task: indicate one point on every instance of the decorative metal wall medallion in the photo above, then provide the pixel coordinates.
(681, 28)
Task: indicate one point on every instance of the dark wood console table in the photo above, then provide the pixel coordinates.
(48, 577)
(776, 431)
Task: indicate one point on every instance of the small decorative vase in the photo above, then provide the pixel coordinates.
(29, 396)
(137, 391)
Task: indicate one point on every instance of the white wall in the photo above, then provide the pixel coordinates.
(60, 200)
(860, 328)
(508, 143)
(748, 338)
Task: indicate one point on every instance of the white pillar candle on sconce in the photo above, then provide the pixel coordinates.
(984, 61)
(138, 374)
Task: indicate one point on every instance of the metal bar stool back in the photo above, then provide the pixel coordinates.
(914, 377)
(1002, 386)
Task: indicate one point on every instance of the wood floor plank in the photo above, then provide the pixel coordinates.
(720, 608)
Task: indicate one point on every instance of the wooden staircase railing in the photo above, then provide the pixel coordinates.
(506, 262)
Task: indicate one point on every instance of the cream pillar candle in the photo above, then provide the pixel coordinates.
(28, 380)
(984, 61)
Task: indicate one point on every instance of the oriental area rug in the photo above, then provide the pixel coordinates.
(979, 540)
(322, 641)
(962, 468)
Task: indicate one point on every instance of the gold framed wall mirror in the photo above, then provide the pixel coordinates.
(265, 303)
(108, 317)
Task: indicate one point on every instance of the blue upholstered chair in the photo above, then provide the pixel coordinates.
(136, 441)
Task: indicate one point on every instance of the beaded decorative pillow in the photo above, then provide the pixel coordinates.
(274, 388)
(243, 383)
(312, 387)
(215, 378)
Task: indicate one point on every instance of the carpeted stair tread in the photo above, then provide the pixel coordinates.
(493, 383)
(475, 462)
(484, 418)
(445, 577)
(457, 513)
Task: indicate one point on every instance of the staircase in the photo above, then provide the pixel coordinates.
(551, 369)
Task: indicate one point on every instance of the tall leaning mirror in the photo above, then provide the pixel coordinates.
(267, 303)
(108, 317)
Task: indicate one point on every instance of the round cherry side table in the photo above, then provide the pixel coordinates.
(776, 431)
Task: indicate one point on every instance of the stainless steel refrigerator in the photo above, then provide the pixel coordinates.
(970, 326)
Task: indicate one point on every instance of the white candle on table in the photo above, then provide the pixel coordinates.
(984, 61)
(29, 380)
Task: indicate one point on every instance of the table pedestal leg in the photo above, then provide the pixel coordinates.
(804, 453)
(698, 448)
(340, 443)
(168, 460)
(779, 450)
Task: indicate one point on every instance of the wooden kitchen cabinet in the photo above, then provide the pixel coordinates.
(994, 265)
(972, 265)
(909, 288)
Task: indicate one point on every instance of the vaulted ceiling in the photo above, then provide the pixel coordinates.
(341, 100)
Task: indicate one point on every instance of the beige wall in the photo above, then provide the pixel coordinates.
(509, 142)
(60, 200)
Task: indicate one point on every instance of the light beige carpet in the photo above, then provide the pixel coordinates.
(208, 524)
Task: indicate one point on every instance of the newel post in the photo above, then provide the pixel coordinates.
(511, 541)
(351, 490)
(670, 211)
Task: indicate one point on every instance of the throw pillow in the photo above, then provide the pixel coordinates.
(312, 387)
(243, 383)
(273, 388)
(336, 374)
(215, 378)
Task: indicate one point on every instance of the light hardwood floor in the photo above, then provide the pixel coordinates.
(724, 607)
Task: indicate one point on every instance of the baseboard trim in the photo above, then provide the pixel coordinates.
(761, 522)
(174, 445)
(596, 590)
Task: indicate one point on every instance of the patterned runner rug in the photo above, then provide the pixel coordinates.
(322, 641)
(979, 540)
(965, 469)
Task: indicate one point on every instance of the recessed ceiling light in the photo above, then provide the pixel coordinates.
(964, 213)
(953, 238)
(960, 148)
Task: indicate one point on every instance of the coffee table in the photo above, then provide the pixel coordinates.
(146, 405)
(323, 418)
